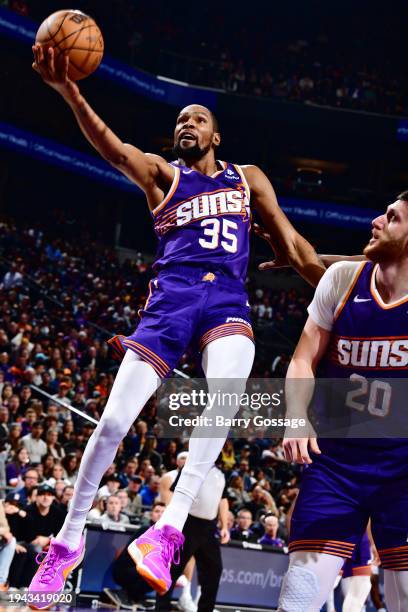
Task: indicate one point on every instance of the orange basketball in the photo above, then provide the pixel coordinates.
(77, 33)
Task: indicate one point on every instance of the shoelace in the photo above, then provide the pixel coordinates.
(48, 569)
(171, 550)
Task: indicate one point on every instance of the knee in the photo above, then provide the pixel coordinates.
(300, 588)
(110, 430)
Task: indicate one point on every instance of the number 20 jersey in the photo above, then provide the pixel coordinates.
(205, 221)
(369, 339)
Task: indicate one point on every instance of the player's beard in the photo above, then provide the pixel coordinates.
(386, 250)
(193, 153)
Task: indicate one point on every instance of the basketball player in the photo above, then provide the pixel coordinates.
(201, 213)
(358, 324)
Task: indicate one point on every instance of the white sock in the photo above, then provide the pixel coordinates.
(396, 590)
(355, 591)
(135, 382)
(186, 592)
(227, 363)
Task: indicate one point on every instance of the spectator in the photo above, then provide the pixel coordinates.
(245, 474)
(66, 434)
(228, 456)
(4, 420)
(150, 491)
(98, 508)
(30, 480)
(7, 390)
(133, 491)
(270, 537)
(125, 505)
(236, 492)
(261, 500)
(242, 531)
(113, 513)
(130, 470)
(170, 456)
(67, 495)
(149, 452)
(16, 469)
(70, 465)
(15, 436)
(57, 473)
(12, 279)
(30, 416)
(48, 463)
(54, 448)
(7, 548)
(35, 446)
(110, 487)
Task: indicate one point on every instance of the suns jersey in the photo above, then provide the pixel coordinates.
(205, 221)
(369, 340)
(369, 337)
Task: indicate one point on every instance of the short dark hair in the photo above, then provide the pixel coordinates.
(403, 196)
(161, 504)
(216, 125)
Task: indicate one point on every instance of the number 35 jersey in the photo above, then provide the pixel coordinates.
(205, 221)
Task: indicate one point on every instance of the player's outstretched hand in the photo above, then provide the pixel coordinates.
(280, 260)
(52, 72)
(297, 449)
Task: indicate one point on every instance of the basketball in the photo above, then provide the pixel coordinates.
(77, 33)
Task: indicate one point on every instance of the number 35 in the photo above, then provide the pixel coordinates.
(213, 229)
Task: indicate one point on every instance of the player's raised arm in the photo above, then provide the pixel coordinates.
(298, 252)
(142, 169)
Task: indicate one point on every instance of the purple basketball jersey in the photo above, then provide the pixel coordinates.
(205, 221)
(369, 337)
(370, 340)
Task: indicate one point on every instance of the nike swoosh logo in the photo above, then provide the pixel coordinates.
(358, 299)
(187, 171)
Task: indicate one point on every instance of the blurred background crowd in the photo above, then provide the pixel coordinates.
(327, 59)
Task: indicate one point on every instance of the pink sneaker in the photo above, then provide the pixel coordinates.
(54, 569)
(154, 552)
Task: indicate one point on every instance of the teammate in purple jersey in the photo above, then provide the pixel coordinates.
(357, 326)
(201, 211)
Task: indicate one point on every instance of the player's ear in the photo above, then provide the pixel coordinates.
(216, 139)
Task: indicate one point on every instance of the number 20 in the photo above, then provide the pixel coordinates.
(213, 228)
(373, 391)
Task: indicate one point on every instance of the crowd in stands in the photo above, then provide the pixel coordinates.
(346, 63)
(56, 301)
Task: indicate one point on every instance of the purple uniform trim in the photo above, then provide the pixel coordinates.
(359, 564)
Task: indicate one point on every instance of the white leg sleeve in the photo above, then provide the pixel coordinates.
(355, 590)
(396, 590)
(228, 360)
(308, 581)
(135, 382)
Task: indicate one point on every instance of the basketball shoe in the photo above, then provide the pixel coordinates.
(154, 552)
(52, 573)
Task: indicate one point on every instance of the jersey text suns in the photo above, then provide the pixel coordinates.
(376, 353)
(212, 205)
